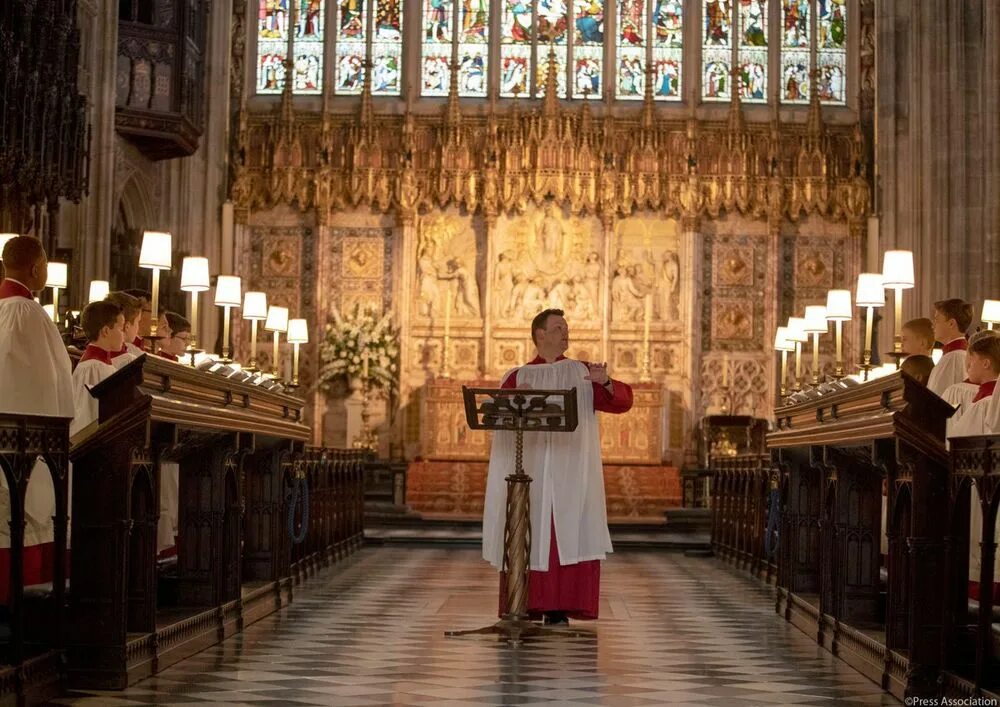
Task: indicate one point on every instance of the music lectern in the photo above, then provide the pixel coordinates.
(518, 411)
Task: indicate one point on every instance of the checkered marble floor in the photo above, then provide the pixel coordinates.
(674, 630)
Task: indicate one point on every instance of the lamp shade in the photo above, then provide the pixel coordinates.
(991, 311)
(937, 355)
(194, 274)
(816, 319)
(99, 289)
(227, 291)
(155, 253)
(838, 305)
(4, 237)
(781, 340)
(277, 319)
(298, 331)
(797, 330)
(897, 269)
(58, 275)
(255, 306)
(49, 310)
(870, 292)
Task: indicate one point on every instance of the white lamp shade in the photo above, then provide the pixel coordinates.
(4, 237)
(227, 291)
(937, 355)
(870, 293)
(991, 311)
(277, 319)
(781, 340)
(897, 269)
(49, 309)
(298, 331)
(797, 330)
(58, 275)
(194, 275)
(99, 289)
(838, 305)
(255, 305)
(816, 322)
(155, 253)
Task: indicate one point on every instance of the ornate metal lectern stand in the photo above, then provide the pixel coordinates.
(518, 411)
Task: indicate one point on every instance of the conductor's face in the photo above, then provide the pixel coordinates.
(553, 340)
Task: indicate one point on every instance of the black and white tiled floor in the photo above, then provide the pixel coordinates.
(674, 630)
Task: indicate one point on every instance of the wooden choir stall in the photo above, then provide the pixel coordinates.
(807, 516)
(255, 510)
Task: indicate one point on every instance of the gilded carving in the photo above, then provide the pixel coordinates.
(814, 267)
(446, 268)
(733, 267)
(362, 258)
(733, 320)
(646, 263)
(546, 259)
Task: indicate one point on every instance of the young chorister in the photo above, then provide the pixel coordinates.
(951, 320)
(131, 308)
(176, 333)
(104, 325)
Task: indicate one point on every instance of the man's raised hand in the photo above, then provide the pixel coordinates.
(597, 373)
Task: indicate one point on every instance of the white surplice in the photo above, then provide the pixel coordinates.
(35, 379)
(87, 375)
(946, 372)
(567, 485)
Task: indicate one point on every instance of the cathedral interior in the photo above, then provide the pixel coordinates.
(403, 185)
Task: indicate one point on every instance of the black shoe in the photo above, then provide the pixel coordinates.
(555, 618)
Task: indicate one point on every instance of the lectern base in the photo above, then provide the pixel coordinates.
(515, 630)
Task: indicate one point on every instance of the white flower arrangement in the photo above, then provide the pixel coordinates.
(362, 345)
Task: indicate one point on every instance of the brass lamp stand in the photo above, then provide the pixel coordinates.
(518, 411)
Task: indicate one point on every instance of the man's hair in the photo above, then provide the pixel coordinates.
(98, 315)
(922, 327)
(139, 294)
(129, 305)
(957, 309)
(541, 319)
(918, 367)
(21, 253)
(177, 323)
(987, 347)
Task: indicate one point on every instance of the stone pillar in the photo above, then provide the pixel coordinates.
(692, 252)
(938, 144)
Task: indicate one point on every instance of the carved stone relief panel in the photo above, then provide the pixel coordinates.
(546, 259)
(733, 306)
(447, 271)
(645, 262)
(742, 389)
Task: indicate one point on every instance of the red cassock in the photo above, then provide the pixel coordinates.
(571, 589)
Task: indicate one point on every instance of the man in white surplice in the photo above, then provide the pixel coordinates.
(35, 379)
(951, 320)
(567, 491)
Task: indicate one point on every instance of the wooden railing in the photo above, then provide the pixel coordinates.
(909, 625)
(242, 465)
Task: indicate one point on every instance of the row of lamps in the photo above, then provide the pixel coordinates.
(897, 275)
(156, 255)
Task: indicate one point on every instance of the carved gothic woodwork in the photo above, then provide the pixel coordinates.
(43, 125)
(160, 81)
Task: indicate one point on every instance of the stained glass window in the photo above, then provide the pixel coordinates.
(588, 48)
(717, 50)
(350, 43)
(668, 46)
(387, 47)
(753, 51)
(631, 56)
(795, 45)
(310, 24)
(553, 34)
(272, 45)
(802, 50)
(438, 23)
(831, 50)
(473, 47)
(517, 29)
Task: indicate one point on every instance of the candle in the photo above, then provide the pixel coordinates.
(725, 370)
(364, 366)
(447, 313)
